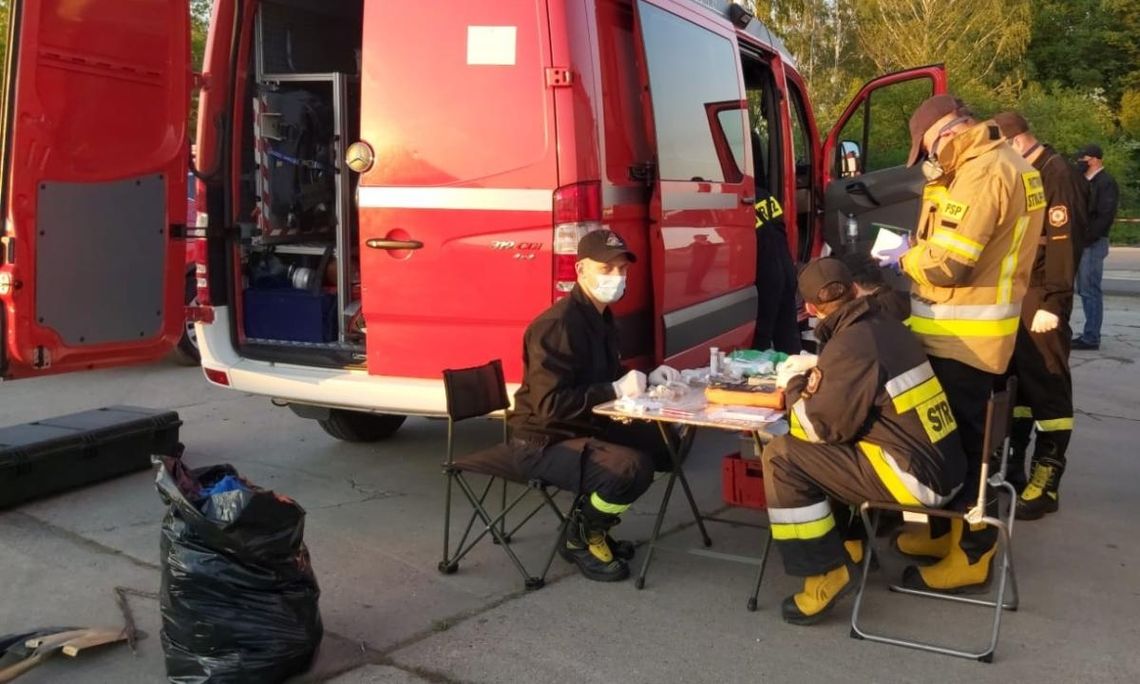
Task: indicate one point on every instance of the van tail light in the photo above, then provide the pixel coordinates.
(577, 211)
(218, 377)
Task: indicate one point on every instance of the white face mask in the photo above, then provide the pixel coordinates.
(608, 288)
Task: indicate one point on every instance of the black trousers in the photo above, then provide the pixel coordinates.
(618, 465)
(968, 390)
(1044, 394)
(810, 489)
(777, 325)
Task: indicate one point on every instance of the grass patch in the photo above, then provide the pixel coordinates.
(1125, 234)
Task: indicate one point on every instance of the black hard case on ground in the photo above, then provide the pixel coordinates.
(51, 456)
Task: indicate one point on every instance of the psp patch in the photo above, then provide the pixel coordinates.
(1058, 216)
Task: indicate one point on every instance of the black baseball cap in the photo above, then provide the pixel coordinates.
(819, 274)
(1091, 150)
(928, 113)
(603, 245)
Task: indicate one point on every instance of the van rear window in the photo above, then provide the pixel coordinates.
(690, 70)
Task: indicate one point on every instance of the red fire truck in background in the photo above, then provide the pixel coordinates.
(385, 190)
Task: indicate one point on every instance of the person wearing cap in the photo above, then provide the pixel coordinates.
(1041, 355)
(869, 422)
(978, 230)
(1090, 272)
(571, 364)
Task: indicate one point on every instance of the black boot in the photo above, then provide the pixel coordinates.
(585, 545)
(1042, 494)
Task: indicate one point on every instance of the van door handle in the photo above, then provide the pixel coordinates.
(860, 188)
(748, 200)
(378, 243)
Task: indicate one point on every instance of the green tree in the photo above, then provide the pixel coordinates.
(981, 38)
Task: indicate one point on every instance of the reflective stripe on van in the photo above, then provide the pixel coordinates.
(488, 199)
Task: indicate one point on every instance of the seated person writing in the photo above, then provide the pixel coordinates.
(868, 422)
(571, 365)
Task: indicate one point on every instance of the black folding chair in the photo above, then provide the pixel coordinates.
(473, 393)
(999, 417)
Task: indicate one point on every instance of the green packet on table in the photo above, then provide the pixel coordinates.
(756, 356)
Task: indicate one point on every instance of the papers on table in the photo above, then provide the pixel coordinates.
(745, 414)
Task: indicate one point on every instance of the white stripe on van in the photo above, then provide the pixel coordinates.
(492, 199)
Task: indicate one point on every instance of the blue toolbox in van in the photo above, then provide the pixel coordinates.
(52, 456)
(289, 314)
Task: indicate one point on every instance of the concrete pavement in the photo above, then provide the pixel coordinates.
(1122, 271)
(374, 532)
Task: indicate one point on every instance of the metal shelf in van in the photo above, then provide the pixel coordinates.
(305, 249)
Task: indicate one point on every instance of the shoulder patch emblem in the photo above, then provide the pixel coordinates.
(953, 210)
(1058, 215)
(814, 378)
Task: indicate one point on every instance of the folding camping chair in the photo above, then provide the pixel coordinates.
(999, 416)
(473, 393)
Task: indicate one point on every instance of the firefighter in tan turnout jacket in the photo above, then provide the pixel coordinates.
(869, 422)
(982, 214)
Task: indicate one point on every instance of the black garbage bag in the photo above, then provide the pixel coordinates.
(238, 597)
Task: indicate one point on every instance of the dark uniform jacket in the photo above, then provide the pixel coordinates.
(1059, 249)
(894, 303)
(1102, 208)
(570, 362)
(874, 387)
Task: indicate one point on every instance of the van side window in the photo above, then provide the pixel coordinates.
(881, 129)
(684, 84)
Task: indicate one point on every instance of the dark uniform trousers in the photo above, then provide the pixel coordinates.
(777, 325)
(805, 483)
(618, 465)
(968, 389)
(1044, 393)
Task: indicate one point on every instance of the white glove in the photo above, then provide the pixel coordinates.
(795, 365)
(891, 256)
(632, 384)
(664, 375)
(1043, 321)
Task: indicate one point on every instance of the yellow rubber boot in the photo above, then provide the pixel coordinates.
(917, 542)
(819, 596)
(954, 573)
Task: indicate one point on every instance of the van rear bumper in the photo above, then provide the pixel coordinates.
(335, 388)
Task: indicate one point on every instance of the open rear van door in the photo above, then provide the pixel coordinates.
(94, 163)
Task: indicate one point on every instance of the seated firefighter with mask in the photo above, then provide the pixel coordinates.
(869, 422)
(570, 365)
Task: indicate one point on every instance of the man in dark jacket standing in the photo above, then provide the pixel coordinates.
(570, 365)
(1041, 356)
(869, 422)
(777, 322)
(1102, 214)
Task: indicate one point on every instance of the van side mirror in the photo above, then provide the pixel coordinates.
(850, 159)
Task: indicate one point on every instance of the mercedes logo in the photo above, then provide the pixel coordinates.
(359, 157)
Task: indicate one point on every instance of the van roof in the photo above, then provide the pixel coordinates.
(756, 28)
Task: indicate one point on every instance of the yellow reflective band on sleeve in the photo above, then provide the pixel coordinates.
(957, 244)
(799, 424)
(887, 475)
(949, 327)
(1022, 412)
(1054, 425)
(1009, 263)
(1034, 191)
(954, 211)
(920, 394)
(604, 506)
(803, 531)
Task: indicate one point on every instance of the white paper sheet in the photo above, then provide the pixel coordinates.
(886, 241)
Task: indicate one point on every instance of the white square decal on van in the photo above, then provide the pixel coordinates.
(491, 45)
